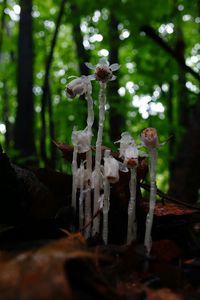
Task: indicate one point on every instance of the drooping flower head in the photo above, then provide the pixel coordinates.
(82, 140)
(129, 150)
(149, 138)
(125, 141)
(131, 156)
(78, 86)
(103, 71)
(111, 167)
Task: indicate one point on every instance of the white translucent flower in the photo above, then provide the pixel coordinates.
(125, 141)
(103, 71)
(149, 138)
(131, 156)
(111, 169)
(82, 140)
(78, 86)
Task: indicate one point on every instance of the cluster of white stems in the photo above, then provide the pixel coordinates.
(93, 184)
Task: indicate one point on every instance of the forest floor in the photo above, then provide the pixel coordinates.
(43, 257)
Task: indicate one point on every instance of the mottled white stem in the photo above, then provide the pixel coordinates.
(81, 196)
(74, 176)
(90, 117)
(152, 201)
(90, 121)
(102, 102)
(132, 225)
(106, 206)
(88, 194)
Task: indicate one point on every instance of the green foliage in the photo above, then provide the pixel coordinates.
(146, 69)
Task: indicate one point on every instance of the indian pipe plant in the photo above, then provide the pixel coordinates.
(101, 177)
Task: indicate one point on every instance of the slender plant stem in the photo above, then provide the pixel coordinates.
(81, 196)
(90, 121)
(106, 205)
(152, 201)
(74, 176)
(88, 193)
(102, 102)
(132, 226)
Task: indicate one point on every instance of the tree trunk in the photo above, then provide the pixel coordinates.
(185, 182)
(82, 55)
(51, 129)
(46, 84)
(116, 118)
(6, 115)
(2, 25)
(170, 117)
(183, 109)
(24, 127)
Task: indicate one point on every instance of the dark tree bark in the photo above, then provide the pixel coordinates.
(116, 119)
(24, 127)
(51, 129)
(82, 55)
(183, 107)
(186, 176)
(185, 181)
(170, 118)
(6, 115)
(5, 108)
(45, 87)
(2, 25)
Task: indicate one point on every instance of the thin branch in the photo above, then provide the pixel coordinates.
(169, 198)
(46, 79)
(150, 32)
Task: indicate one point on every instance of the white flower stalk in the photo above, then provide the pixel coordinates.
(74, 172)
(81, 139)
(149, 138)
(81, 180)
(90, 121)
(129, 152)
(97, 170)
(131, 160)
(103, 74)
(111, 175)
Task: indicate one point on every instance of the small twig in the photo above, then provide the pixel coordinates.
(169, 198)
(91, 220)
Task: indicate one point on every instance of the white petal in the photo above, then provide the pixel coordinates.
(114, 67)
(91, 77)
(90, 66)
(143, 154)
(113, 78)
(103, 61)
(122, 167)
(72, 77)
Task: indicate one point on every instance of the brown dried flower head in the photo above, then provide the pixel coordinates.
(149, 137)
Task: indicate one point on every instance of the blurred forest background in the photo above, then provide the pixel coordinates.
(157, 44)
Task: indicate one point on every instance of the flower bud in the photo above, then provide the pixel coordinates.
(111, 169)
(78, 87)
(103, 73)
(149, 137)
